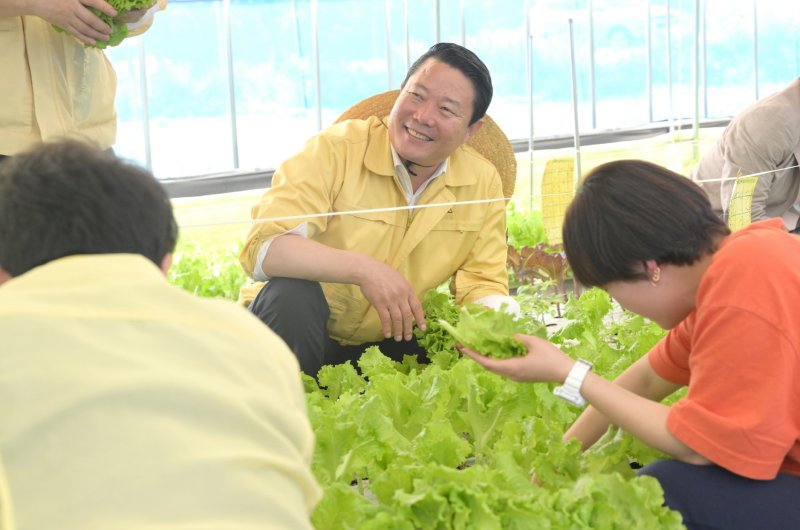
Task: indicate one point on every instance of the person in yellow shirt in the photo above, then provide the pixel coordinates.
(127, 402)
(351, 273)
(56, 84)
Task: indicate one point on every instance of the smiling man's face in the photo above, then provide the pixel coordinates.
(430, 118)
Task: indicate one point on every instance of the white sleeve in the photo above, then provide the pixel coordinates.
(258, 271)
(146, 18)
(497, 301)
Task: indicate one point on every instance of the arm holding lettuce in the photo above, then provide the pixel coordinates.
(48, 72)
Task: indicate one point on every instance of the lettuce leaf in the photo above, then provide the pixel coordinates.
(488, 332)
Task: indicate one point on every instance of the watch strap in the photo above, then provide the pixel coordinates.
(571, 389)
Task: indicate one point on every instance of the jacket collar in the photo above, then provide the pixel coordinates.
(378, 157)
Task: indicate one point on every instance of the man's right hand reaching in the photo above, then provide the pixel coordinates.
(294, 256)
(393, 298)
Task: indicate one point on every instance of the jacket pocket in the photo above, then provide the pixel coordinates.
(347, 310)
(458, 225)
(363, 213)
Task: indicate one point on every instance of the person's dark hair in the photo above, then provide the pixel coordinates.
(469, 64)
(630, 211)
(69, 198)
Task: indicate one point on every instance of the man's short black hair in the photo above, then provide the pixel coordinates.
(68, 198)
(630, 211)
(470, 65)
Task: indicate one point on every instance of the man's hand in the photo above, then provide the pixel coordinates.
(394, 299)
(543, 363)
(75, 17)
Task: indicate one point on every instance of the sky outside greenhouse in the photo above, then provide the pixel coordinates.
(216, 86)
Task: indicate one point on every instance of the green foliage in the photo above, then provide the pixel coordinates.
(449, 445)
(438, 342)
(487, 331)
(216, 274)
(524, 228)
(603, 333)
(447, 448)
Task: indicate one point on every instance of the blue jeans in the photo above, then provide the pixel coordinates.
(710, 497)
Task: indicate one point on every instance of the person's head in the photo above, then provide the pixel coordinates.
(629, 220)
(68, 198)
(442, 100)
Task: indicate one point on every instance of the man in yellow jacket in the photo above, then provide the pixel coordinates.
(56, 84)
(372, 213)
(127, 402)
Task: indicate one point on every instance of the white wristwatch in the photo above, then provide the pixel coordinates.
(571, 389)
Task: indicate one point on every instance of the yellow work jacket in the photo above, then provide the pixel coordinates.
(134, 404)
(349, 168)
(53, 86)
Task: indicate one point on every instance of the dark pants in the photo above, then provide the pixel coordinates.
(710, 497)
(297, 311)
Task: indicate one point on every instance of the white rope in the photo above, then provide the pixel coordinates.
(726, 179)
(431, 205)
(348, 212)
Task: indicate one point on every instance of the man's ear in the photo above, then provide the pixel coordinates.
(473, 129)
(4, 276)
(166, 263)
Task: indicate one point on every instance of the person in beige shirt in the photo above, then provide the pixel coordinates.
(762, 139)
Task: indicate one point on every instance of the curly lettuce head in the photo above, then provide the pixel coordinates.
(119, 30)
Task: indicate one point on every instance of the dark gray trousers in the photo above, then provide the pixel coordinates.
(297, 311)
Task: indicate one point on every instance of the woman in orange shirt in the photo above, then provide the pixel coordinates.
(650, 238)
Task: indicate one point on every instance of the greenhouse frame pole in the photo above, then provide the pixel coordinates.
(405, 30)
(575, 104)
(148, 153)
(387, 4)
(529, 39)
(649, 63)
(705, 60)
(591, 65)
(226, 23)
(437, 29)
(463, 24)
(696, 122)
(315, 45)
(755, 47)
(299, 44)
(671, 117)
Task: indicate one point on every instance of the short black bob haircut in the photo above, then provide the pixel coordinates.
(68, 198)
(630, 211)
(468, 64)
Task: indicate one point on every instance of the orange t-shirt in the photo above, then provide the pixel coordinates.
(739, 354)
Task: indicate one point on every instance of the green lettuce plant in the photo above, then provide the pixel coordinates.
(119, 30)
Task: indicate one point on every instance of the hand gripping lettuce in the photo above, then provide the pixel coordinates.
(488, 332)
(119, 30)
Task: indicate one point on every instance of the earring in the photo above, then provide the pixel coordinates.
(656, 277)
